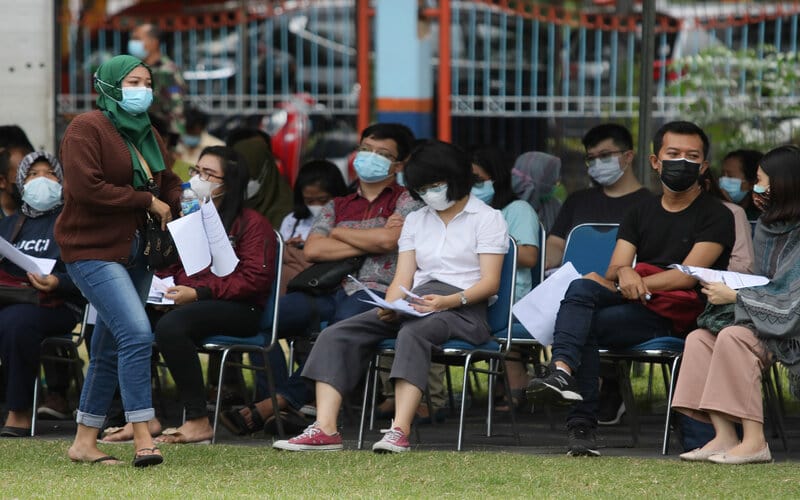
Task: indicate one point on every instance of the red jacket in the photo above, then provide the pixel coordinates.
(254, 243)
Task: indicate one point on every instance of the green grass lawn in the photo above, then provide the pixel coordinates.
(40, 469)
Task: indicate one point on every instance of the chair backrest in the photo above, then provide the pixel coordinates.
(498, 314)
(589, 247)
(537, 271)
(269, 320)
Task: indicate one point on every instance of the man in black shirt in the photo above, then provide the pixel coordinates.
(684, 225)
(609, 159)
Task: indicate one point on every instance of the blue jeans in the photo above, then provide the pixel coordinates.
(294, 313)
(122, 341)
(592, 316)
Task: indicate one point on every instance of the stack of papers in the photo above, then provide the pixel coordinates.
(158, 288)
(34, 265)
(733, 280)
(398, 305)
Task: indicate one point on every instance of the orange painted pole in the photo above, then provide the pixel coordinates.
(444, 127)
(362, 63)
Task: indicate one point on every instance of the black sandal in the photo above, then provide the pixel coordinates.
(234, 421)
(146, 459)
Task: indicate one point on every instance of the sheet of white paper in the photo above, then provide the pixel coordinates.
(398, 305)
(733, 280)
(191, 242)
(202, 241)
(158, 287)
(537, 310)
(35, 265)
(410, 293)
(223, 258)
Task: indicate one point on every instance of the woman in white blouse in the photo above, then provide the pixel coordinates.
(450, 254)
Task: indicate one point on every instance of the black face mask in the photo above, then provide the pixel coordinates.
(679, 175)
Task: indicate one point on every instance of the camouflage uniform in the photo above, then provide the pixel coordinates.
(168, 91)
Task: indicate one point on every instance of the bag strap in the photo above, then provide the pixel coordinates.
(17, 227)
(145, 166)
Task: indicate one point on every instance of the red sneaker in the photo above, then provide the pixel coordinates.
(313, 438)
(394, 441)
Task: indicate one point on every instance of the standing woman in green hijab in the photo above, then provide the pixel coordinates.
(114, 173)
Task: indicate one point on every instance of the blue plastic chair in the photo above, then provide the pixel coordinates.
(262, 342)
(589, 247)
(662, 350)
(463, 353)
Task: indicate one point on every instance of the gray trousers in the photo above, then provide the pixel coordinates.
(342, 351)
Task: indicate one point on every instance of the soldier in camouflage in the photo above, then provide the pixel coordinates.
(169, 88)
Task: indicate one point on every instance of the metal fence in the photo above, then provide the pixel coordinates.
(512, 61)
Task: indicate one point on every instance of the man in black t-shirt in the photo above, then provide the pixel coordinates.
(609, 159)
(684, 225)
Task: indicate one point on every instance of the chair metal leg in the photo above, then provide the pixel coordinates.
(360, 442)
(623, 374)
(36, 387)
(465, 381)
(450, 398)
(222, 363)
(510, 400)
(673, 379)
(272, 395)
(490, 395)
(375, 382)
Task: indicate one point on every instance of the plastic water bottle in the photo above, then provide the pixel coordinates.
(190, 202)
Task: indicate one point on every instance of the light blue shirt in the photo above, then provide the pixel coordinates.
(523, 226)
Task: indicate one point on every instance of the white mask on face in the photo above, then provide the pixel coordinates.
(203, 188)
(315, 210)
(605, 172)
(436, 198)
(252, 187)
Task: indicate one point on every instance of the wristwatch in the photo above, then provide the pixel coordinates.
(463, 298)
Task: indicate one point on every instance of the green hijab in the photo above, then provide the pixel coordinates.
(274, 198)
(135, 129)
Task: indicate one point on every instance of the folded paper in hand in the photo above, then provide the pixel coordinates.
(398, 305)
(34, 265)
(158, 289)
(538, 309)
(201, 240)
(733, 280)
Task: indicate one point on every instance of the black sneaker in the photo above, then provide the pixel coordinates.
(558, 382)
(582, 442)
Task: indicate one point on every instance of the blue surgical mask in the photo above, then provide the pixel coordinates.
(484, 191)
(136, 100)
(42, 193)
(191, 141)
(760, 189)
(400, 179)
(371, 167)
(136, 49)
(733, 187)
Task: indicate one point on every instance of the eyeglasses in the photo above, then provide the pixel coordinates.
(204, 174)
(430, 187)
(389, 156)
(605, 155)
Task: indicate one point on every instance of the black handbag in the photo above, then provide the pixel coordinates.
(159, 247)
(324, 277)
(18, 295)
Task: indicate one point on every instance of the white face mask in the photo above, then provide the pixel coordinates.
(203, 188)
(605, 172)
(436, 198)
(315, 210)
(252, 187)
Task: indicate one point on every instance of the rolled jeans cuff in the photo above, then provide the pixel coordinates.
(143, 415)
(90, 420)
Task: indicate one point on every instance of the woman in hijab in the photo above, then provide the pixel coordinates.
(114, 174)
(534, 179)
(57, 306)
(268, 192)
